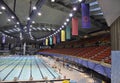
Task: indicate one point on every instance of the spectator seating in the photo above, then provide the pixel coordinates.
(97, 53)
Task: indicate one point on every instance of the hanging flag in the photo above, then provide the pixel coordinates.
(74, 26)
(85, 15)
(68, 34)
(43, 42)
(54, 39)
(3, 38)
(103, 82)
(58, 37)
(9, 46)
(46, 42)
(51, 41)
(62, 35)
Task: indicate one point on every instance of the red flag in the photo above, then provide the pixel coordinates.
(74, 26)
(54, 39)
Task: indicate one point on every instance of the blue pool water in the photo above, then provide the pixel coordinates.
(24, 67)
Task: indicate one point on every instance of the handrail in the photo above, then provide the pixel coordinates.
(35, 81)
(98, 62)
(95, 66)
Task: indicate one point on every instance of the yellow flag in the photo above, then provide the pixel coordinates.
(62, 35)
(103, 82)
(46, 41)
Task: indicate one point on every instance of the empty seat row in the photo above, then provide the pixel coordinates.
(97, 53)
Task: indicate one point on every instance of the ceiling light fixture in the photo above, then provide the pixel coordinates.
(43, 28)
(30, 29)
(74, 8)
(62, 26)
(0, 12)
(15, 26)
(3, 8)
(34, 8)
(79, 0)
(33, 22)
(28, 18)
(9, 20)
(53, 29)
(39, 13)
(12, 17)
(18, 23)
(25, 27)
(67, 20)
(18, 29)
(70, 14)
(30, 25)
(65, 23)
(39, 28)
(58, 30)
(52, 0)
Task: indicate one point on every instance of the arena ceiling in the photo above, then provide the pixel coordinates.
(45, 17)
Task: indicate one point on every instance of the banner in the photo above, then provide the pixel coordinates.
(75, 26)
(51, 41)
(46, 42)
(58, 37)
(68, 34)
(62, 35)
(54, 39)
(3, 38)
(85, 15)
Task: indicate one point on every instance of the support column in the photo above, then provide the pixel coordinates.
(24, 48)
(115, 43)
(115, 34)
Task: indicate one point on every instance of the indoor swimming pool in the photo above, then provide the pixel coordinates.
(24, 68)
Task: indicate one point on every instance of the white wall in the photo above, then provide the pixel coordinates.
(111, 10)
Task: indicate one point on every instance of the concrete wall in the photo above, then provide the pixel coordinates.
(115, 67)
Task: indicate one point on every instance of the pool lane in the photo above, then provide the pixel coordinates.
(6, 61)
(36, 74)
(16, 71)
(25, 74)
(51, 69)
(24, 67)
(47, 68)
(39, 68)
(2, 67)
(44, 70)
(7, 69)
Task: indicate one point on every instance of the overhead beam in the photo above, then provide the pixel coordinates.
(14, 5)
(9, 11)
(33, 13)
(8, 34)
(36, 24)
